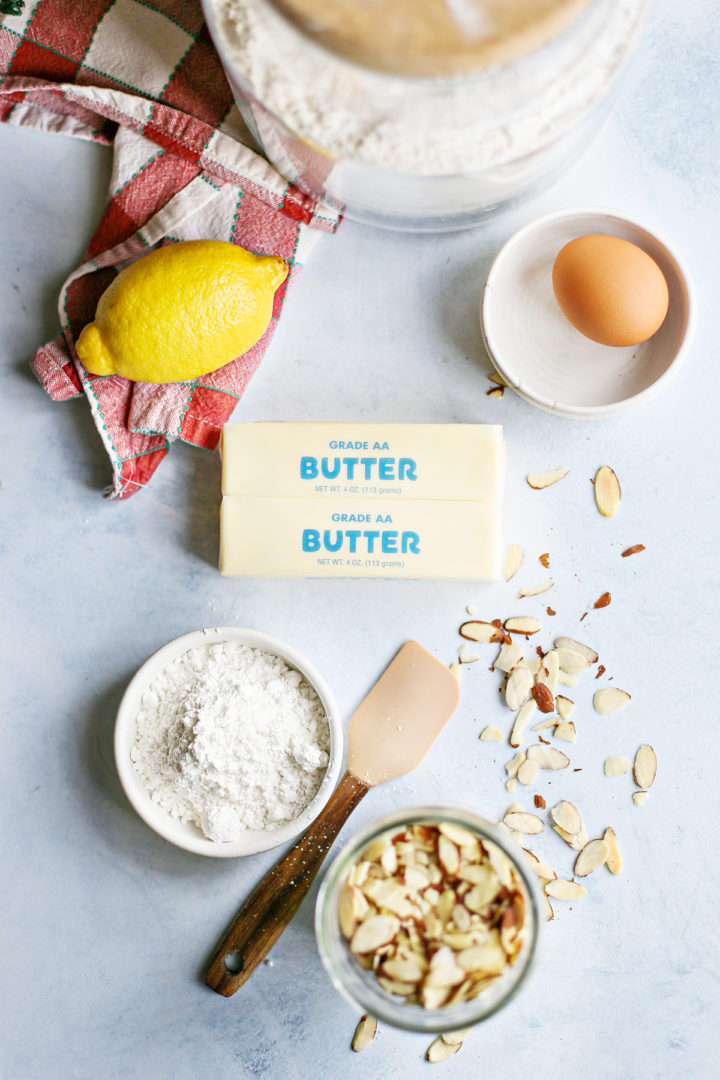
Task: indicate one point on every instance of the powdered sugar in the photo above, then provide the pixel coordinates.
(231, 738)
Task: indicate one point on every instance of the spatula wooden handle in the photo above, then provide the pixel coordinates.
(272, 904)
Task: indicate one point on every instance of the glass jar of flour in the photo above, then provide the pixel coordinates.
(423, 117)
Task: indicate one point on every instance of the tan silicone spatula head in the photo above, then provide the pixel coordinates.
(396, 724)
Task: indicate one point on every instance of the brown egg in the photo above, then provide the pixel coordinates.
(610, 290)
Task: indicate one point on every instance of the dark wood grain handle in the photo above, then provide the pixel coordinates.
(272, 904)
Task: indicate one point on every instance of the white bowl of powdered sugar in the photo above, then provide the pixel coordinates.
(228, 742)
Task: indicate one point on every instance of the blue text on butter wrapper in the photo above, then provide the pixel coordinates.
(371, 468)
(390, 541)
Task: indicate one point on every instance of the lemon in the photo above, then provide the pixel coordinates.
(181, 311)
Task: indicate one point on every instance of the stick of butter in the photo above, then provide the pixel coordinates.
(338, 460)
(341, 537)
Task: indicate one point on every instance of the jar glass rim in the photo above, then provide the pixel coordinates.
(361, 990)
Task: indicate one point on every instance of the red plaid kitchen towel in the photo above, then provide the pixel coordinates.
(142, 75)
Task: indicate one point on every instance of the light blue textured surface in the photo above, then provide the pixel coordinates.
(105, 927)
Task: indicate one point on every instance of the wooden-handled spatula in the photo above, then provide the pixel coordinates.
(389, 734)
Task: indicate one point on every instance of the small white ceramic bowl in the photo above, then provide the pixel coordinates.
(542, 356)
(187, 836)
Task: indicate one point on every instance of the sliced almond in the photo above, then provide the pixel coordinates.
(645, 766)
(576, 646)
(508, 658)
(549, 670)
(455, 668)
(511, 785)
(543, 697)
(614, 859)
(571, 662)
(567, 816)
(566, 731)
(633, 550)
(617, 765)
(577, 843)
(545, 479)
(433, 997)
(546, 724)
(528, 772)
(487, 957)
(466, 655)
(610, 699)
(564, 706)
(523, 624)
(454, 1038)
(402, 989)
(535, 590)
(495, 391)
(513, 560)
(514, 764)
(562, 889)
(517, 688)
(494, 377)
(439, 1050)
(405, 969)
(448, 855)
(492, 734)
(524, 823)
(567, 680)
(477, 630)
(607, 491)
(471, 609)
(532, 663)
(541, 868)
(549, 913)
(603, 601)
(639, 797)
(374, 932)
(548, 757)
(594, 854)
(521, 720)
(364, 1033)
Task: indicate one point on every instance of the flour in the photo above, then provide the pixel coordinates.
(425, 127)
(231, 738)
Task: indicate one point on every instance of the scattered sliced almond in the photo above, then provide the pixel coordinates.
(614, 859)
(607, 491)
(528, 772)
(610, 699)
(549, 670)
(471, 609)
(508, 658)
(364, 1033)
(567, 680)
(549, 913)
(548, 757)
(617, 765)
(594, 854)
(552, 722)
(532, 663)
(514, 764)
(517, 688)
(455, 668)
(523, 624)
(543, 697)
(511, 785)
(567, 816)
(545, 479)
(477, 630)
(633, 550)
(571, 662)
(564, 706)
(603, 601)
(454, 1038)
(494, 377)
(541, 868)
(535, 590)
(492, 734)
(521, 721)
(439, 1050)
(544, 559)
(577, 843)
(576, 646)
(524, 823)
(466, 655)
(645, 766)
(639, 797)
(562, 889)
(566, 731)
(495, 392)
(513, 560)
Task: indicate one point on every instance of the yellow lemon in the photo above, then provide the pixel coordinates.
(181, 311)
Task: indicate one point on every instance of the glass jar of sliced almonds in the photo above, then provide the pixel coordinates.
(428, 920)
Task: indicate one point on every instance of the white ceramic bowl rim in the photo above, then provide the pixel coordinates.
(187, 836)
(597, 410)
